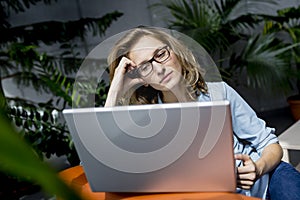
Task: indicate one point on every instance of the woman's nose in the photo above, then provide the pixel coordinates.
(159, 68)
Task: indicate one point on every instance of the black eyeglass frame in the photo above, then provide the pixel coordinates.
(135, 73)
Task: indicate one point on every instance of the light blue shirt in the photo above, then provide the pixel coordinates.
(251, 135)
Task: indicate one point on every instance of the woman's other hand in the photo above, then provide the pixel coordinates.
(247, 173)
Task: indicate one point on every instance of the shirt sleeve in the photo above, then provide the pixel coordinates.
(246, 125)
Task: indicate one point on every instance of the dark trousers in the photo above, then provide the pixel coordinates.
(284, 183)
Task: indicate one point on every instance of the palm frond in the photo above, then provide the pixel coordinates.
(251, 7)
(190, 14)
(266, 61)
(287, 20)
(198, 19)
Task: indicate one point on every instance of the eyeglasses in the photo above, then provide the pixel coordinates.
(144, 69)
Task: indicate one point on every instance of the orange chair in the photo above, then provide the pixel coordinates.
(75, 178)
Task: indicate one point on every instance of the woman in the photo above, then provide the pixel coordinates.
(150, 66)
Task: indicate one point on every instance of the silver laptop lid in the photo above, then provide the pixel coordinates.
(178, 147)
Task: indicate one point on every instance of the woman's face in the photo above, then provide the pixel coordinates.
(164, 76)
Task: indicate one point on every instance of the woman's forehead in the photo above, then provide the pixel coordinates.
(144, 48)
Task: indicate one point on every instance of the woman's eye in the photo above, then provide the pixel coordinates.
(160, 54)
(144, 67)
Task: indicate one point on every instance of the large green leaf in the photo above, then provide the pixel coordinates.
(17, 158)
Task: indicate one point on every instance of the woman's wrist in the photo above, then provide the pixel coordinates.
(260, 167)
(111, 99)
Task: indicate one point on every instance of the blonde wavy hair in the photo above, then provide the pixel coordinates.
(191, 71)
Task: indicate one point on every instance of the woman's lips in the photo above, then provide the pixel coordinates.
(166, 77)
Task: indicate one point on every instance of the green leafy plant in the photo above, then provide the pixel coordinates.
(39, 122)
(22, 62)
(266, 61)
(288, 22)
(20, 165)
(18, 159)
(232, 32)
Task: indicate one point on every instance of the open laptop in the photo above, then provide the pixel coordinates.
(178, 147)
